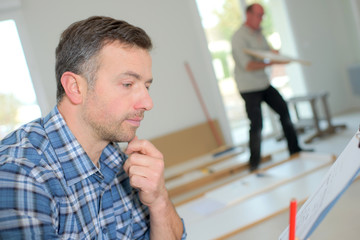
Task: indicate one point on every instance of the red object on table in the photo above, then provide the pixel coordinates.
(292, 222)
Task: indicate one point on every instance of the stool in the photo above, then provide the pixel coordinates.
(312, 99)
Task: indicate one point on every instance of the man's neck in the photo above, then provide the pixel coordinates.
(82, 133)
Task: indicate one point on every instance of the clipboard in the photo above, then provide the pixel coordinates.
(339, 177)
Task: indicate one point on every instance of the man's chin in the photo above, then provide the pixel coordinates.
(126, 138)
(131, 138)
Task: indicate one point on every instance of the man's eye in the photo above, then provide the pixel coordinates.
(127, 85)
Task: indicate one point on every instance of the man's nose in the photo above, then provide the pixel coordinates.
(145, 101)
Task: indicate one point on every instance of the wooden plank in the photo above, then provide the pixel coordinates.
(276, 58)
(275, 213)
(250, 200)
(188, 197)
(201, 162)
(201, 177)
(185, 199)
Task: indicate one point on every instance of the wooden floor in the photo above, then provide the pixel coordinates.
(244, 206)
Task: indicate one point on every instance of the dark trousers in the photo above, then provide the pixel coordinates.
(253, 102)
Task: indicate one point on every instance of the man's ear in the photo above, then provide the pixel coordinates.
(72, 84)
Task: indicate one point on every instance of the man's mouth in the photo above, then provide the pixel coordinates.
(134, 121)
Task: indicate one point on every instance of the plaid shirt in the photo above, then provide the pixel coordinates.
(49, 188)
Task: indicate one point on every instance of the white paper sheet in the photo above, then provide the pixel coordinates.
(273, 56)
(333, 185)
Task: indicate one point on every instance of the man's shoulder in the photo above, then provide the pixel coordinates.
(30, 135)
(25, 147)
(240, 33)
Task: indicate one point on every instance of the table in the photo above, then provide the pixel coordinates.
(313, 98)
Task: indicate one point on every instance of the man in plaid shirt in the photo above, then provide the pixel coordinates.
(64, 176)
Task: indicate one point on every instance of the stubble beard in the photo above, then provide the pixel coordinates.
(105, 128)
(113, 131)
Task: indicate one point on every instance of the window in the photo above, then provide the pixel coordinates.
(17, 96)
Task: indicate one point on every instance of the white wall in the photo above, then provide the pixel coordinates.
(325, 34)
(355, 6)
(281, 24)
(177, 36)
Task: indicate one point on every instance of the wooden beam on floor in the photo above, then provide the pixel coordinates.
(201, 162)
(236, 206)
(208, 174)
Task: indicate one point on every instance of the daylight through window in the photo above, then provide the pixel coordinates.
(17, 97)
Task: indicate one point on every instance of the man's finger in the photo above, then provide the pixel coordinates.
(143, 147)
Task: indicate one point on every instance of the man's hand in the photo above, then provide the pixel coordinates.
(145, 168)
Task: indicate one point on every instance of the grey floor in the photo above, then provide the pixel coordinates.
(343, 220)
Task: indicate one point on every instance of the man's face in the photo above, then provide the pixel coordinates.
(254, 17)
(114, 107)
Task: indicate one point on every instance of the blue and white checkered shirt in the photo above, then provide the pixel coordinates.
(49, 188)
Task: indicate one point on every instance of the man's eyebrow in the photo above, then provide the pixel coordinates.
(135, 75)
(131, 74)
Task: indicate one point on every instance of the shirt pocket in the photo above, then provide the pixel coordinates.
(124, 223)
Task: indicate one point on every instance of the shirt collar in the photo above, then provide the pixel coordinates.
(252, 30)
